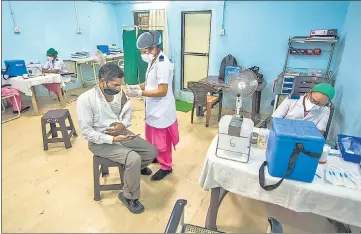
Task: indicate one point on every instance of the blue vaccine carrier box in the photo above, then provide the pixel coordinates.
(15, 67)
(285, 135)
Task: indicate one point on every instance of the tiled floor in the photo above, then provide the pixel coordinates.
(52, 191)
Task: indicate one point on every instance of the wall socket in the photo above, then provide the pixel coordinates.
(221, 32)
(79, 31)
(16, 29)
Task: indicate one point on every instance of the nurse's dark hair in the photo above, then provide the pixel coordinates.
(110, 71)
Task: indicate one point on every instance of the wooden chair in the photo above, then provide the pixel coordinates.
(202, 99)
(2, 104)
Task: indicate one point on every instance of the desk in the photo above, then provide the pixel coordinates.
(93, 61)
(256, 97)
(334, 202)
(26, 86)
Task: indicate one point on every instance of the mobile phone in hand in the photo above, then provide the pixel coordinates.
(132, 136)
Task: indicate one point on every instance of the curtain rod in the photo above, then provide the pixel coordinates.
(148, 10)
(130, 26)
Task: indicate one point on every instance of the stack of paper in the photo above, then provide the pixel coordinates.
(114, 51)
(80, 55)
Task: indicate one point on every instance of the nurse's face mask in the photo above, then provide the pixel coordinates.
(147, 55)
(315, 100)
(113, 87)
(50, 58)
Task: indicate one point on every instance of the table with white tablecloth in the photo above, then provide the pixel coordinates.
(26, 86)
(319, 197)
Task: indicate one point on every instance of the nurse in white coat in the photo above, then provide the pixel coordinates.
(312, 106)
(57, 66)
(161, 121)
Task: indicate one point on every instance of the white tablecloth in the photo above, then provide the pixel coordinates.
(24, 85)
(338, 203)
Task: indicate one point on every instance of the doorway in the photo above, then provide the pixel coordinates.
(196, 35)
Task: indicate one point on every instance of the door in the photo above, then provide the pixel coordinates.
(196, 32)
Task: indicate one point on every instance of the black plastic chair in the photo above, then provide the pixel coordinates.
(176, 222)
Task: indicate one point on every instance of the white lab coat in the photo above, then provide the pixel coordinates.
(59, 65)
(95, 115)
(293, 109)
(160, 112)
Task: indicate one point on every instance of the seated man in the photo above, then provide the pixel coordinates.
(312, 106)
(54, 65)
(104, 114)
(6, 91)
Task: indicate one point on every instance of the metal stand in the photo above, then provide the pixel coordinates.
(234, 152)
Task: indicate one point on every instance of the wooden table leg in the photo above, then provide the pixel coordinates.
(217, 195)
(61, 97)
(33, 101)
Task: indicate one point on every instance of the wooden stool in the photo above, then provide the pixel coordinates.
(104, 164)
(54, 117)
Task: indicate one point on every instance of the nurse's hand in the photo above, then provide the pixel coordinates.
(133, 92)
(133, 87)
(115, 129)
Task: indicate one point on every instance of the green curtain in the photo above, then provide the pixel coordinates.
(142, 66)
(130, 57)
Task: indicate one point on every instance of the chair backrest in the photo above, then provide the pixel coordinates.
(303, 84)
(200, 91)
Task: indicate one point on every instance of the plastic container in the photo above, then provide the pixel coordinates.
(262, 138)
(325, 153)
(104, 49)
(346, 155)
(231, 70)
(283, 136)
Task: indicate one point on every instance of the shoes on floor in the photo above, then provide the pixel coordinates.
(155, 160)
(161, 174)
(133, 205)
(146, 171)
(25, 109)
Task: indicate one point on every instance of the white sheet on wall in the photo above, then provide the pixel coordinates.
(158, 21)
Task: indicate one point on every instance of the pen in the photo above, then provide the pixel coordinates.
(318, 176)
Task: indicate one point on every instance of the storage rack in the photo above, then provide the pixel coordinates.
(288, 77)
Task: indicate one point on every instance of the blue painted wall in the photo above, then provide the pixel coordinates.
(347, 116)
(46, 24)
(256, 32)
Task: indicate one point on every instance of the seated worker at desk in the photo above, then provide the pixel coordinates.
(54, 65)
(104, 114)
(311, 106)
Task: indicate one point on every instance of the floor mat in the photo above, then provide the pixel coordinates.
(183, 106)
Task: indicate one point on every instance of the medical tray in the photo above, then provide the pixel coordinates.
(355, 158)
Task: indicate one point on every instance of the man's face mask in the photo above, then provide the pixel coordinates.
(50, 58)
(110, 91)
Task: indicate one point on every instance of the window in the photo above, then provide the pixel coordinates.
(141, 19)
